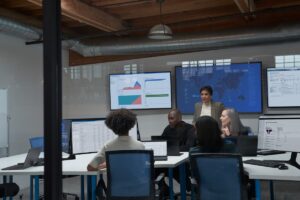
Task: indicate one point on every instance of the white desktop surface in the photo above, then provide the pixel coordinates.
(173, 161)
(268, 173)
(78, 165)
(70, 167)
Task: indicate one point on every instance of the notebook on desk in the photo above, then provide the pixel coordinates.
(31, 158)
(173, 147)
(159, 149)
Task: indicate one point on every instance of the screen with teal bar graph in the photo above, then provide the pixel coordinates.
(140, 91)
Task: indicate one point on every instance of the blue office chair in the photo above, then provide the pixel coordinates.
(217, 176)
(36, 142)
(130, 175)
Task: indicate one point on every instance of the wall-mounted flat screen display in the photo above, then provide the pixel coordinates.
(283, 87)
(140, 91)
(236, 85)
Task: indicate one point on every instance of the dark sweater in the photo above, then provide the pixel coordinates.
(184, 132)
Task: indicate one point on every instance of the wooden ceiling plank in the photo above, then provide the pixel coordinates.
(149, 9)
(116, 3)
(170, 19)
(245, 6)
(242, 5)
(16, 4)
(84, 13)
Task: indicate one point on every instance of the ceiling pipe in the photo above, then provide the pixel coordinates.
(19, 30)
(284, 34)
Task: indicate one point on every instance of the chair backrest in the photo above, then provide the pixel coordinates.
(130, 175)
(36, 142)
(218, 176)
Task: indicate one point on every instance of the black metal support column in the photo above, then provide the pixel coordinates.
(52, 99)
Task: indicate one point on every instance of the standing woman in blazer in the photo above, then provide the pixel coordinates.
(208, 107)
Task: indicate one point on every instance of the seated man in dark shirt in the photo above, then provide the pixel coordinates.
(187, 138)
(179, 129)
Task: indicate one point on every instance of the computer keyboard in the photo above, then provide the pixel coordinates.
(264, 163)
(269, 152)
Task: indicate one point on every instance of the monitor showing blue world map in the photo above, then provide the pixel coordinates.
(236, 86)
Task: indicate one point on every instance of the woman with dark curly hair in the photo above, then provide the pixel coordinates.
(120, 122)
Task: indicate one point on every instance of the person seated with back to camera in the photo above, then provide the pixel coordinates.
(179, 129)
(231, 124)
(120, 122)
(209, 139)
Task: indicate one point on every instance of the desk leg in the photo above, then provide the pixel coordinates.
(4, 181)
(31, 188)
(88, 183)
(171, 183)
(271, 190)
(257, 190)
(82, 187)
(93, 185)
(182, 176)
(10, 180)
(36, 188)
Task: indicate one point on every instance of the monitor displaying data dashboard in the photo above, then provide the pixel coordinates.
(90, 135)
(279, 133)
(140, 91)
(236, 85)
(283, 87)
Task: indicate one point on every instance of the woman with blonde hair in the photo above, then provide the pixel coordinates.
(231, 124)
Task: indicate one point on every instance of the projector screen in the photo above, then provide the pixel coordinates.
(236, 85)
(283, 87)
(140, 91)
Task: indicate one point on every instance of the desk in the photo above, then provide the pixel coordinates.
(78, 167)
(267, 173)
(70, 167)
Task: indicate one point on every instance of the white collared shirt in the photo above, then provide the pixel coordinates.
(206, 109)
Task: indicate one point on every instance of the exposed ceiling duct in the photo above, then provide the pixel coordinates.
(186, 44)
(19, 30)
(291, 33)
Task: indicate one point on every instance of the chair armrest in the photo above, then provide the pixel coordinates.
(193, 181)
(159, 178)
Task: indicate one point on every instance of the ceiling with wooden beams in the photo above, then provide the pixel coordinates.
(111, 20)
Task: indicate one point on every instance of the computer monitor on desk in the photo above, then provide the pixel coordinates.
(66, 147)
(280, 133)
(90, 135)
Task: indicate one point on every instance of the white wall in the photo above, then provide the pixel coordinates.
(86, 94)
(21, 72)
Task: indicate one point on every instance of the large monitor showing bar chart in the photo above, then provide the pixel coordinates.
(140, 91)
